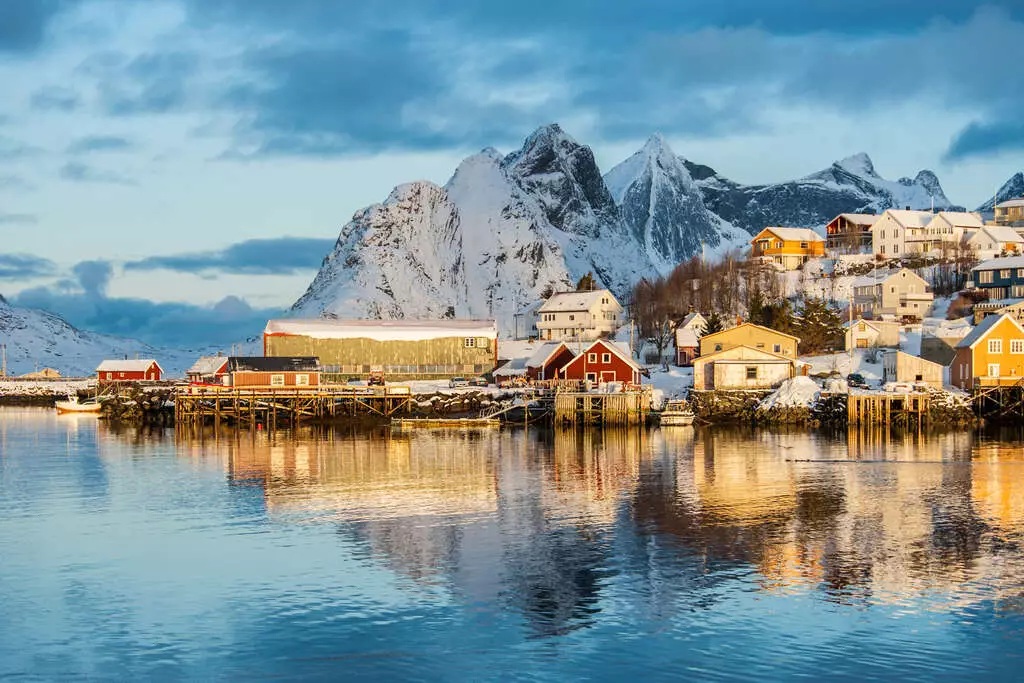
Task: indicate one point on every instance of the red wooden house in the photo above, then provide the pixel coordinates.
(129, 370)
(548, 360)
(208, 370)
(274, 371)
(602, 361)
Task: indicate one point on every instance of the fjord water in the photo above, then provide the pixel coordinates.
(477, 555)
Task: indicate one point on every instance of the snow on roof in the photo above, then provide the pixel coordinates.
(910, 218)
(796, 234)
(691, 318)
(131, 365)
(514, 368)
(381, 330)
(207, 365)
(999, 263)
(979, 331)
(1002, 233)
(543, 352)
(1011, 202)
(620, 349)
(574, 301)
(686, 338)
(860, 218)
(531, 309)
(877, 277)
(961, 219)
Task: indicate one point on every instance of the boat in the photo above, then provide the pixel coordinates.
(676, 414)
(72, 405)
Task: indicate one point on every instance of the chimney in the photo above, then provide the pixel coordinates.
(907, 207)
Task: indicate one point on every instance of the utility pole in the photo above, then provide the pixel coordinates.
(3, 360)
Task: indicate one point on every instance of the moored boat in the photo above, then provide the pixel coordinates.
(676, 414)
(72, 405)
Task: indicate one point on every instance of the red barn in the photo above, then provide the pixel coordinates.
(129, 370)
(548, 360)
(602, 361)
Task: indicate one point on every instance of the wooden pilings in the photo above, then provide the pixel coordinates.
(625, 408)
(884, 409)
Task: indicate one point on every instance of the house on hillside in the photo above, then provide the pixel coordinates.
(687, 346)
(524, 321)
(1010, 213)
(748, 334)
(899, 366)
(1012, 307)
(787, 248)
(992, 241)
(898, 292)
(991, 355)
(1000, 278)
(602, 361)
(945, 232)
(850, 233)
(579, 316)
(274, 371)
(136, 370)
(208, 370)
(548, 360)
(895, 229)
(401, 349)
(744, 367)
(864, 334)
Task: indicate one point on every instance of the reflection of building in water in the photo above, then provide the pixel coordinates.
(997, 485)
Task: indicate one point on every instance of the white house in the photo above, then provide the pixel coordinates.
(584, 316)
(863, 334)
(945, 230)
(524, 321)
(895, 228)
(993, 240)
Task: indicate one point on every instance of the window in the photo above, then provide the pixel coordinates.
(993, 369)
(1003, 274)
(995, 345)
(469, 342)
(1017, 346)
(277, 380)
(862, 327)
(1017, 291)
(572, 317)
(718, 347)
(751, 372)
(606, 358)
(302, 380)
(803, 245)
(985, 277)
(760, 345)
(591, 357)
(591, 376)
(777, 348)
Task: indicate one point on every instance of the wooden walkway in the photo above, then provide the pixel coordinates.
(274, 407)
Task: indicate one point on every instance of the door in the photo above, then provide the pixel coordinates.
(709, 376)
(993, 369)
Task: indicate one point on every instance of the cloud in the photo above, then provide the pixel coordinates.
(274, 256)
(78, 172)
(93, 277)
(24, 23)
(25, 266)
(150, 83)
(17, 219)
(16, 150)
(100, 143)
(55, 98)
(983, 139)
(10, 181)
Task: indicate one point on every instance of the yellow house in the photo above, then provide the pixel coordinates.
(787, 248)
(754, 336)
(991, 355)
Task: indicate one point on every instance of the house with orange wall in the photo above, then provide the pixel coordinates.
(787, 248)
(991, 355)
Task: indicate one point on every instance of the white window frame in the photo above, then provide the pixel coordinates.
(1017, 346)
(995, 345)
(591, 376)
(302, 380)
(993, 369)
(277, 380)
(469, 342)
(591, 357)
(606, 358)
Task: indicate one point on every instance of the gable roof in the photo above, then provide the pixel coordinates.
(910, 355)
(748, 324)
(984, 327)
(273, 364)
(207, 365)
(910, 218)
(691, 318)
(1002, 233)
(1018, 201)
(867, 219)
(793, 234)
(614, 348)
(574, 301)
(686, 338)
(961, 219)
(131, 365)
(744, 349)
(878, 277)
(1000, 263)
(513, 368)
(544, 353)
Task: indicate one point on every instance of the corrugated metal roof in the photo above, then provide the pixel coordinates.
(273, 363)
(131, 365)
(574, 301)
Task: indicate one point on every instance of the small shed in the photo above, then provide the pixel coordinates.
(864, 334)
(510, 370)
(744, 367)
(274, 371)
(687, 345)
(208, 370)
(899, 366)
(602, 361)
(548, 360)
(135, 370)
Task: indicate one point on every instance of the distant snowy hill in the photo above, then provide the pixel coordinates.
(37, 339)
(504, 228)
(849, 185)
(1012, 188)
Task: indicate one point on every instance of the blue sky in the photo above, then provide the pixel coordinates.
(199, 154)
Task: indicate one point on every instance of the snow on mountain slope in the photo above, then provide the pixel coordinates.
(1011, 189)
(850, 185)
(37, 339)
(664, 208)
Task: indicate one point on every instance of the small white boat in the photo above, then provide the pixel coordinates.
(72, 405)
(676, 414)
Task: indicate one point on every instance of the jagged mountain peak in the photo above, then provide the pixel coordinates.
(858, 164)
(1011, 189)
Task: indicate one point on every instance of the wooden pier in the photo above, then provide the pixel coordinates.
(627, 408)
(274, 407)
(887, 408)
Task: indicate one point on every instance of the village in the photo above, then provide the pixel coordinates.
(890, 311)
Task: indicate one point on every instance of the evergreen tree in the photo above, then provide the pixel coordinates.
(755, 306)
(547, 292)
(586, 283)
(819, 326)
(714, 323)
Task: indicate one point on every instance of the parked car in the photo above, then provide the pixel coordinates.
(898, 387)
(458, 382)
(478, 382)
(855, 379)
(376, 379)
(354, 381)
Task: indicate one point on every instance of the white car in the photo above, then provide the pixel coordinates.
(455, 382)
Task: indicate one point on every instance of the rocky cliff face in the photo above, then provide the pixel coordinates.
(1011, 189)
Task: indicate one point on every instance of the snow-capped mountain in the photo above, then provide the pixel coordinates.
(664, 208)
(1011, 189)
(37, 339)
(849, 185)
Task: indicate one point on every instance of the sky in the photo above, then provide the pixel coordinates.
(171, 169)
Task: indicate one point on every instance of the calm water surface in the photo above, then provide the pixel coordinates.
(470, 556)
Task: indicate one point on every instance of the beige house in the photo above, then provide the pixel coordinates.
(864, 334)
(945, 231)
(893, 230)
(1011, 307)
(744, 367)
(579, 316)
(901, 293)
(754, 336)
(992, 241)
(899, 366)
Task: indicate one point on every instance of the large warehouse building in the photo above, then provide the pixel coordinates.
(402, 349)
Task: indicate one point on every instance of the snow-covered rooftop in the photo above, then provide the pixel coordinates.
(207, 365)
(980, 331)
(131, 365)
(1000, 263)
(381, 330)
(514, 368)
(686, 338)
(542, 353)
(911, 218)
(1011, 202)
(796, 234)
(1003, 233)
(574, 301)
(962, 219)
(860, 218)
